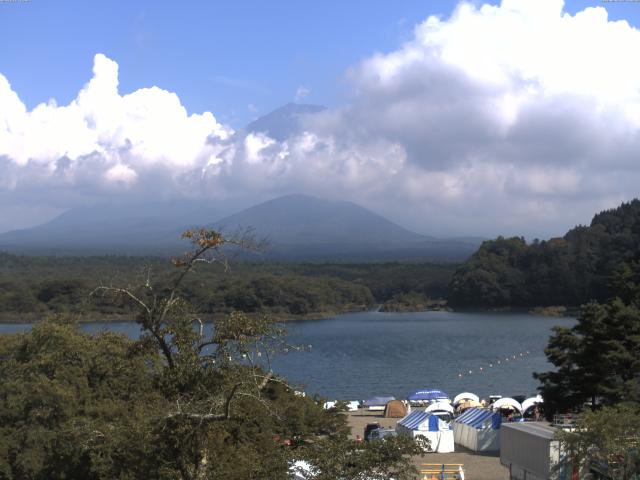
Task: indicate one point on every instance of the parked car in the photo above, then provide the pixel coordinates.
(369, 428)
(380, 433)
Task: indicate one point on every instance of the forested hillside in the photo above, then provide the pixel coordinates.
(570, 270)
(32, 287)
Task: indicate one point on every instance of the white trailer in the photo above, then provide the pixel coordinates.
(530, 452)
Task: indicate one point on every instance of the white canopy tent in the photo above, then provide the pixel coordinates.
(465, 396)
(507, 402)
(531, 402)
(440, 407)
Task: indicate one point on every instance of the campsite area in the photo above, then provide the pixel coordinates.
(477, 466)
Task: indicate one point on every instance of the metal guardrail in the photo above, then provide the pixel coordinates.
(564, 421)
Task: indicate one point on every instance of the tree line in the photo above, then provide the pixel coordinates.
(183, 402)
(571, 270)
(32, 287)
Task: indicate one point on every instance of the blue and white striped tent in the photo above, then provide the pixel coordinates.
(429, 425)
(480, 418)
(478, 429)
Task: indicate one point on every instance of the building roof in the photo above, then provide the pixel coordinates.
(539, 429)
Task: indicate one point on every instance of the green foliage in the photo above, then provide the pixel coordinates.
(376, 460)
(74, 405)
(607, 439)
(187, 401)
(571, 270)
(411, 302)
(597, 360)
(33, 286)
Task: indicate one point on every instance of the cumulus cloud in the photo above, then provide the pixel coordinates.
(518, 117)
(510, 118)
(109, 137)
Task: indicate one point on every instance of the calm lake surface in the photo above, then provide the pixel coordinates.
(359, 355)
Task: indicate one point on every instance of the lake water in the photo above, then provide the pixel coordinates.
(358, 355)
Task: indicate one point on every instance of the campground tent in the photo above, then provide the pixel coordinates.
(395, 409)
(440, 407)
(430, 426)
(478, 429)
(464, 396)
(378, 403)
(507, 403)
(530, 403)
(466, 405)
(428, 396)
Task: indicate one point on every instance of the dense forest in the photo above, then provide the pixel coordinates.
(176, 404)
(32, 287)
(571, 270)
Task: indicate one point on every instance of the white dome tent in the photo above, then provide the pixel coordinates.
(531, 402)
(465, 396)
(507, 402)
(440, 407)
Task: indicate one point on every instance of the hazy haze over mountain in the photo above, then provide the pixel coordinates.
(298, 227)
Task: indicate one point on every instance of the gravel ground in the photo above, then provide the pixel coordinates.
(476, 466)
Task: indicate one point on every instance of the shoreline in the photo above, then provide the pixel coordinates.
(34, 318)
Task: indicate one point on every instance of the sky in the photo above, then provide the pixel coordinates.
(519, 117)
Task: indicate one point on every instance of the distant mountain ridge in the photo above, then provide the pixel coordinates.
(299, 227)
(303, 219)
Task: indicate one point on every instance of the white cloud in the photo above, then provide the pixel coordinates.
(130, 132)
(516, 118)
(503, 108)
(302, 93)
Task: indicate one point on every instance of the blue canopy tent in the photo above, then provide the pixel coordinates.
(378, 403)
(427, 396)
(429, 425)
(478, 429)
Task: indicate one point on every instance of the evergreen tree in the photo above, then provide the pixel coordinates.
(598, 360)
